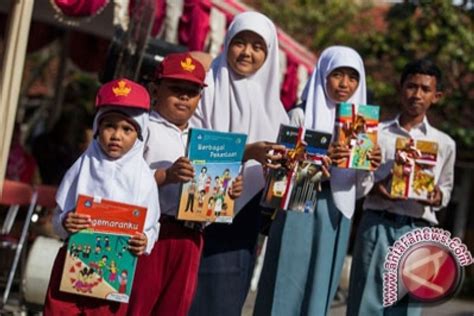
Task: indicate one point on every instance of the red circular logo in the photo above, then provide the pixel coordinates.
(429, 272)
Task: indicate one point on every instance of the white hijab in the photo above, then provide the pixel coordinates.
(320, 114)
(249, 105)
(127, 179)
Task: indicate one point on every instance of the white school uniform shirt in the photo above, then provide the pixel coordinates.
(320, 114)
(164, 145)
(128, 179)
(443, 170)
(249, 105)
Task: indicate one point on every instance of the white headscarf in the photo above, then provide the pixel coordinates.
(127, 179)
(249, 105)
(320, 114)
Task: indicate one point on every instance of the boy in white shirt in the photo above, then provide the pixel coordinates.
(386, 218)
(166, 280)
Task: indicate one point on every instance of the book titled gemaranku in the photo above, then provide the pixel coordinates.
(357, 126)
(98, 262)
(217, 161)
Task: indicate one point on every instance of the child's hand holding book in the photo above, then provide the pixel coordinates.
(266, 153)
(137, 243)
(74, 222)
(338, 153)
(375, 156)
(237, 187)
(380, 188)
(179, 172)
(434, 198)
(325, 167)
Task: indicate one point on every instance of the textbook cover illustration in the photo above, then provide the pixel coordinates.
(217, 160)
(294, 185)
(98, 262)
(413, 171)
(357, 127)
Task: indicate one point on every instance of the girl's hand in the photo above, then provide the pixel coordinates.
(74, 222)
(137, 243)
(375, 156)
(338, 153)
(325, 167)
(237, 187)
(266, 153)
(180, 171)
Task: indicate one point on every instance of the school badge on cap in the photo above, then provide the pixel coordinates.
(187, 64)
(181, 66)
(123, 92)
(122, 89)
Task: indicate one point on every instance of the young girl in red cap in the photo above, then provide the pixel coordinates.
(112, 168)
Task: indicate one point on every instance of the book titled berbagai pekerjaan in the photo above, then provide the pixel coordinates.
(217, 161)
(98, 262)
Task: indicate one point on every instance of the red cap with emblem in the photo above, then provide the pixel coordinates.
(123, 92)
(181, 66)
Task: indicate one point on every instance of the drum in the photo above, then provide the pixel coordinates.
(346, 274)
(38, 269)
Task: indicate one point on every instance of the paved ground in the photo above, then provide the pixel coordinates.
(454, 307)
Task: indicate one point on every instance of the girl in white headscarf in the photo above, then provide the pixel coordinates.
(113, 168)
(305, 251)
(243, 95)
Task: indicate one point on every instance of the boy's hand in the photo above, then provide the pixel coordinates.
(74, 222)
(380, 188)
(338, 153)
(435, 198)
(137, 243)
(265, 153)
(237, 187)
(180, 171)
(375, 156)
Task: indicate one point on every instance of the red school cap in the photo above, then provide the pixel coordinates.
(79, 8)
(123, 93)
(181, 66)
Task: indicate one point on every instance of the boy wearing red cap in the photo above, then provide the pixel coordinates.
(165, 281)
(112, 168)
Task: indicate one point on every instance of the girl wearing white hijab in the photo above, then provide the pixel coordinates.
(112, 168)
(305, 251)
(243, 95)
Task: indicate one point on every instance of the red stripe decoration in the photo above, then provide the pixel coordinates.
(291, 172)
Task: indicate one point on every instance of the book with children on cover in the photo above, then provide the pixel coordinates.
(413, 170)
(357, 126)
(217, 160)
(294, 185)
(98, 262)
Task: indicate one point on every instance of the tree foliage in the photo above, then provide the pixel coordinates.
(314, 23)
(442, 32)
(435, 29)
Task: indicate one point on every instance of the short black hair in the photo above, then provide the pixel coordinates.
(425, 67)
